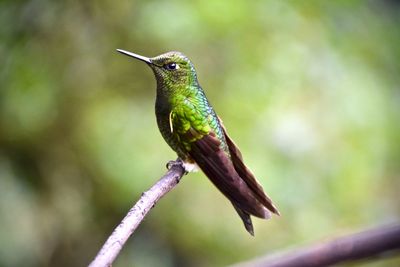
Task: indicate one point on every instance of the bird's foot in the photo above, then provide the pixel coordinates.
(177, 162)
(174, 163)
(187, 166)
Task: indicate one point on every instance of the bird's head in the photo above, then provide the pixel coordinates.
(171, 69)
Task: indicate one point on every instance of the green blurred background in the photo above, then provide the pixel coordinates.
(308, 89)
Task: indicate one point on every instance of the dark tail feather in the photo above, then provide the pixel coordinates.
(248, 224)
(246, 174)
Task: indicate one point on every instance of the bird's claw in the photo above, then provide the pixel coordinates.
(171, 163)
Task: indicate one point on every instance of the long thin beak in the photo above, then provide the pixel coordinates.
(142, 58)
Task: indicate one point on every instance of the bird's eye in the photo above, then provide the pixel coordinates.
(171, 66)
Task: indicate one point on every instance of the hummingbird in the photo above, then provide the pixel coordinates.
(190, 126)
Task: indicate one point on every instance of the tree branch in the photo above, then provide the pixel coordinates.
(352, 247)
(136, 214)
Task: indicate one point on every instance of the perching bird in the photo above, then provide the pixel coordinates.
(190, 126)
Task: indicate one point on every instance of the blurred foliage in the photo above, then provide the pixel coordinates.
(308, 89)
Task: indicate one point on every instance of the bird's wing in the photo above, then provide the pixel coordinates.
(200, 141)
(246, 174)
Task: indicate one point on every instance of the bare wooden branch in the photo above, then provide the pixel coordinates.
(136, 214)
(353, 247)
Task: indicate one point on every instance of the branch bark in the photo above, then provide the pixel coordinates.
(352, 247)
(136, 214)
